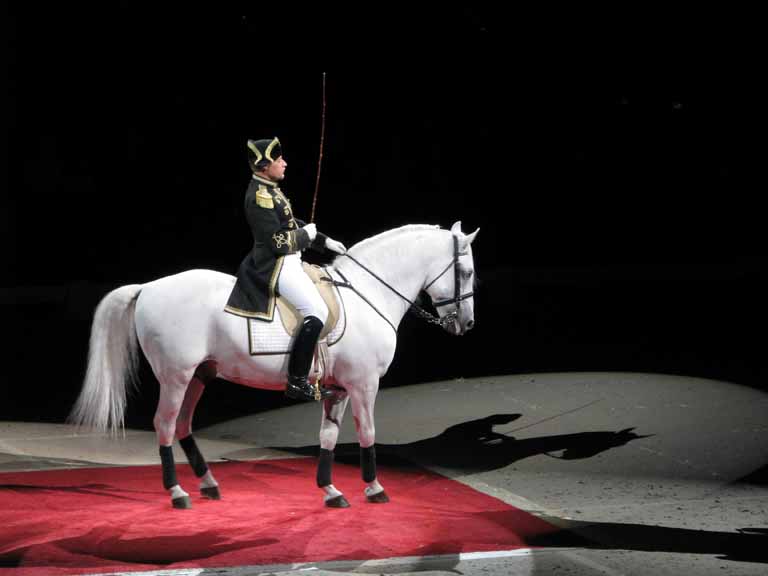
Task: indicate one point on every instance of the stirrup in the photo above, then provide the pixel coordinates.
(299, 388)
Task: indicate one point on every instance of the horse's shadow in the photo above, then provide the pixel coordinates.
(475, 446)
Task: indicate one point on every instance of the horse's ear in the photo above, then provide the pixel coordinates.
(456, 228)
(465, 241)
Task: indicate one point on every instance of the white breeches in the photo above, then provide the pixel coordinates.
(295, 286)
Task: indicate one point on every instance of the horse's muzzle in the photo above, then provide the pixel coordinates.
(456, 327)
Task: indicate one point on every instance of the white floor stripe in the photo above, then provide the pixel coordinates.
(495, 554)
(340, 564)
(177, 572)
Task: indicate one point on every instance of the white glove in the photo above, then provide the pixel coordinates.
(335, 246)
(311, 230)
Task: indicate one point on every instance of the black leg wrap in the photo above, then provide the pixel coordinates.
(324, 468)
(169, 467)
(194, 456)
(368, 463)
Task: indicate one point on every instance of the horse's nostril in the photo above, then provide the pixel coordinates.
(470, 324)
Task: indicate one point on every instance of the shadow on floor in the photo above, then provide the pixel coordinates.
(475, 446)
(746, 545)
(758, 477)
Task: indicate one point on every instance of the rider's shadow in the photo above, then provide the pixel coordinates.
(475, 446)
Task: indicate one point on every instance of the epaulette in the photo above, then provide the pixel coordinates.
(264, 198)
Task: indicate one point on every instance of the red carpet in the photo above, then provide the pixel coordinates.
(111, 519)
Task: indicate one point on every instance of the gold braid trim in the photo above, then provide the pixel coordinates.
(255, 150)
(268, 152)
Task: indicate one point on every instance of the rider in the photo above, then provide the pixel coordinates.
(273, 267)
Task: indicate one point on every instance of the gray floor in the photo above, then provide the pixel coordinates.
(645, 473)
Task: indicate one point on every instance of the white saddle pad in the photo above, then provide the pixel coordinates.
(271, 337)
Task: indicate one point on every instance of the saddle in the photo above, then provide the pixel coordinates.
(291, 317)
(275, 337)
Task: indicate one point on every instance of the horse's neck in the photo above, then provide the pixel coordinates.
(401, 261)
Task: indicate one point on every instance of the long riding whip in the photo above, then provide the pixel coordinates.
(314, 203)
(320, 157)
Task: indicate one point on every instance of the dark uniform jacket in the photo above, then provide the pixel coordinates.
(276, 233)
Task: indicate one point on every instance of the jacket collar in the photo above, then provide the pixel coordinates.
(265, 181)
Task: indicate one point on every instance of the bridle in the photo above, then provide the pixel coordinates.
(457, 299)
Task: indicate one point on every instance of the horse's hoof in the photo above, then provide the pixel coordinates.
(378, 498)
(337, 502)
(182, 503)
(211, 492)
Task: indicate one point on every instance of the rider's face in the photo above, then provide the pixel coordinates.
(276, 170)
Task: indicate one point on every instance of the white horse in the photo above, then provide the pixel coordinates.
(188, 339)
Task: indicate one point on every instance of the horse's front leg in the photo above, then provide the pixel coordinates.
(362, 407)
(333, 413)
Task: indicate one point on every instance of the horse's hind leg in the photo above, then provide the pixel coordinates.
(172, 392)
(204, 374)
(333, 413)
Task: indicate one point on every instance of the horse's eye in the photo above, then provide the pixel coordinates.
(468, 273)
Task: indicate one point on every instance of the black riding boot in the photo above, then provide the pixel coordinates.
(298, 386)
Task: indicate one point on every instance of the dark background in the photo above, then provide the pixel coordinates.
(610, 165)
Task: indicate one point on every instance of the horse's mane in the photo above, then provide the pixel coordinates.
(366, 243)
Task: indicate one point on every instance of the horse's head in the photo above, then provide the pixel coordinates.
(450, 286)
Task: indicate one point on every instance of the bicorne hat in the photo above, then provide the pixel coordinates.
(262, 152)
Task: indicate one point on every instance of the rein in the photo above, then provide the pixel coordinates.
(415, 308)
(347, 284)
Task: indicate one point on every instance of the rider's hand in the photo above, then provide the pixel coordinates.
(335, 246)
(311, 229)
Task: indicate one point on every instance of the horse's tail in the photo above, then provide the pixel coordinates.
(113, 359)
